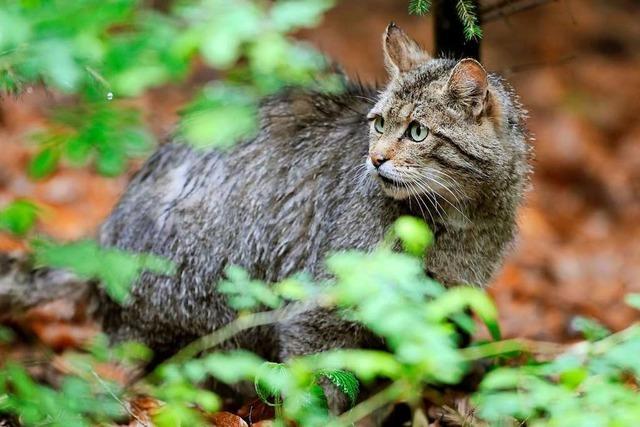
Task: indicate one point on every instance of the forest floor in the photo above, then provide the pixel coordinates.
(575, 66)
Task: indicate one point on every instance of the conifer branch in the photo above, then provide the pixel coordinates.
(419, 7)
(469, 18)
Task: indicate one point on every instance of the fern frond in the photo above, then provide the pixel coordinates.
(345, 381)
(469, 18)
(419, 7)
(266, 380)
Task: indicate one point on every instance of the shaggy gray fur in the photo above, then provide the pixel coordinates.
(281, 202)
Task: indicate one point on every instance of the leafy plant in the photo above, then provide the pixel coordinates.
(386, 296)
(115, 269)
(594, 383)
(75, 403)
(101, 54)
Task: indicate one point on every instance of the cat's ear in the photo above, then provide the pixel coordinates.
(401, 53)
(468, 86)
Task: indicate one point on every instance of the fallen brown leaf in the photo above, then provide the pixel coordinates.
(227, 419)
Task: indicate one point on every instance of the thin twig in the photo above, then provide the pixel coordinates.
(550, 349)
(96, 75)
(366, 407)
(513, 345)
(117, 399)
(538, 64)
(504, 8)
(229, 330)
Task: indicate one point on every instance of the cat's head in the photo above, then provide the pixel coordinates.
(437, 126)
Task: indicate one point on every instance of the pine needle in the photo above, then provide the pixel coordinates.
(468, 16)
(419, 7)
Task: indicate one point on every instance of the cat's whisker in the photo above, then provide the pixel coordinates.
(458, 198)
(359, 173)
(455, 185)
(434, 180)
(366, 98)
(415, 194)
(427, 191)
(424, 189)
(434, 197)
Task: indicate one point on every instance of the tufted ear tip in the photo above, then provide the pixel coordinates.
(401, 53)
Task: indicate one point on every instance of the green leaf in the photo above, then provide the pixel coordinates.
(501, 378)
(132, 352)
(493, 326)
(78, 150)
(244, 293)
(175, 414)
(135, 80)
(345, 381)
(110, 161)
(269, 382)
(233, 366)
(6, 336)
(58, 64)
(288, 15)
(457, 299)
(19, 217)
(115, 269)
(222, 48)
(590, 328)
(220, 126)
(44, 163)
(414, 234)
(633, 300)
(365, 364)
(572, 378)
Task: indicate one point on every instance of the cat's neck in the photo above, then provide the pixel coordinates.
(459, 213)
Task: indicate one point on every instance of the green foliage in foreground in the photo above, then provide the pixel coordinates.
(115, 269)
(101, 54)
(592, 383)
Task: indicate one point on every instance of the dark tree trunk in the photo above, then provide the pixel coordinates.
(449, 32)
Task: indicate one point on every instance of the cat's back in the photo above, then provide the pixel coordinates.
(274, 205)
(305, 165)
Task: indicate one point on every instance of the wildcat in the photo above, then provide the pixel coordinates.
(444, 140)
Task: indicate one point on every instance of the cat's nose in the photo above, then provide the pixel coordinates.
(377, 159)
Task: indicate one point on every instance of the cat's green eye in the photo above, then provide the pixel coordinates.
(417, 132)
(378, 124)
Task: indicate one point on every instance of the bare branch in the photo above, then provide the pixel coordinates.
(504, 8)
(536, 65)
(229, 330)
(22, 286)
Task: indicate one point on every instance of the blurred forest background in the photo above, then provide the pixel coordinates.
(90, 87)
(575, 65)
